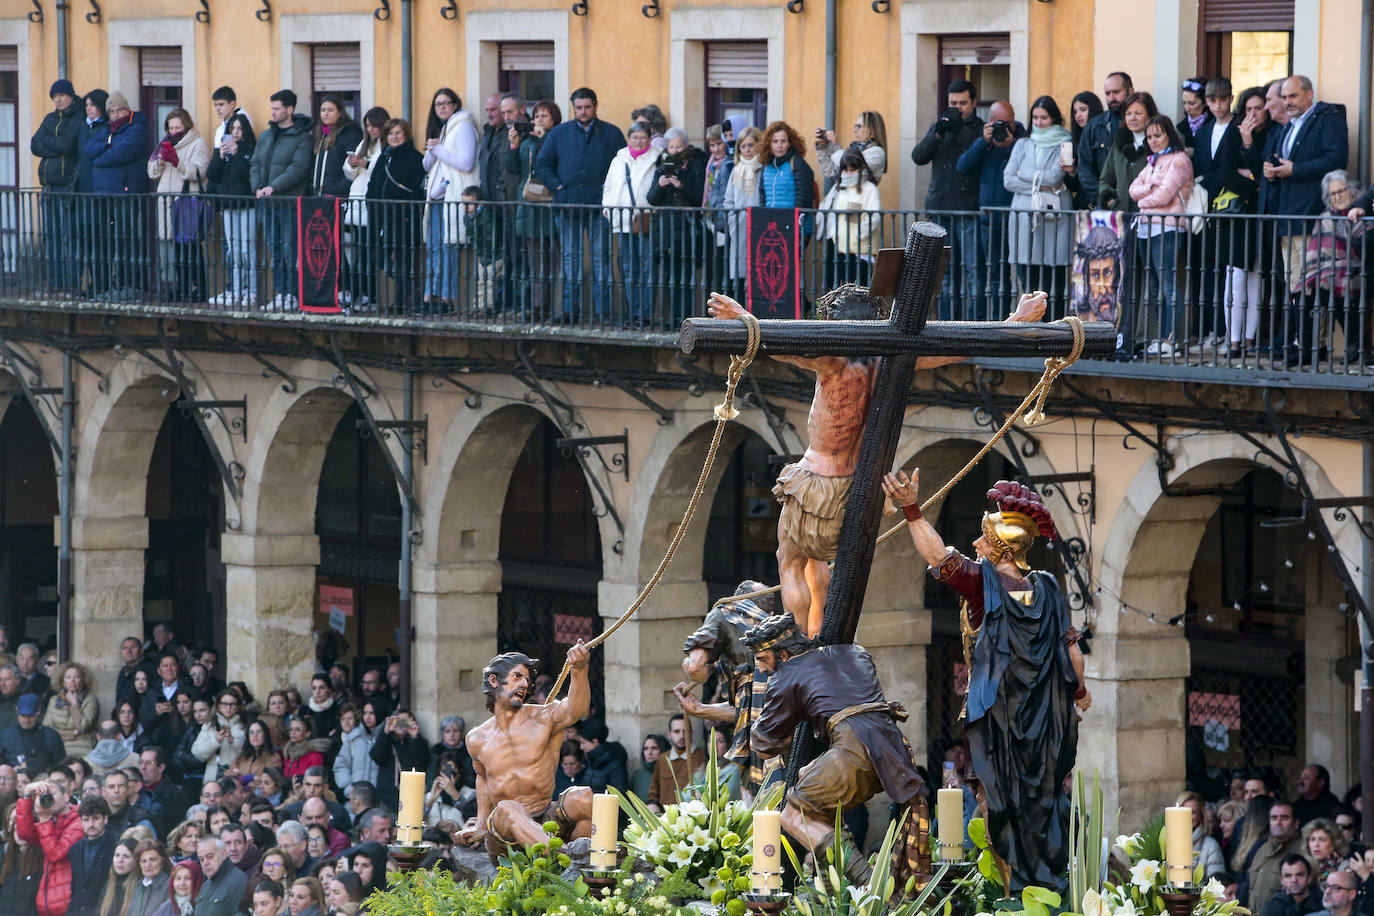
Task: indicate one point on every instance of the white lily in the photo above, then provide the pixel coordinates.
(1145, 873)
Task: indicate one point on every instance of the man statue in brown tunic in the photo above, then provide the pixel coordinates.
(814, 490)
(836, 690)
(515, 757)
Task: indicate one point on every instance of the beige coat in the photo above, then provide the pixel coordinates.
(193, 158)
(67, 719)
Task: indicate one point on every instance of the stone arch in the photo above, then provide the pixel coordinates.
(457, 570)
(1134, 734)
(272, 551)
(115, 442)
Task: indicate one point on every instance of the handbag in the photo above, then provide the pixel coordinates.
(1196, 206)
(639, 220)
(535, 192)
(191, 217)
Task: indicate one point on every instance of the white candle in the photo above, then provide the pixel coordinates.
(410, 819)
(767, 868)
(605, 819)
(1178, 844)
(949, 809)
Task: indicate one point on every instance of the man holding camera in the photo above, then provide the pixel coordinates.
(45, 818)
(27, 746)
(986, 159)
(957, 129)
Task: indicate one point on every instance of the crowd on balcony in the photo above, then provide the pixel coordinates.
(172, 793)
(479, 213)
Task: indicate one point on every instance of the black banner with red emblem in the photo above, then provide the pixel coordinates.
(317, 232)
(774, 263)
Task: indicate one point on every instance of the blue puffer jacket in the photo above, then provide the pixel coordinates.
(119, 158)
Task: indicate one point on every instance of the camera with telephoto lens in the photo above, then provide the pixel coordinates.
(45, 800)
(1001, 130)
(523, 128)
(949, 121)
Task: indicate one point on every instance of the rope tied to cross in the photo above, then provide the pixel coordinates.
(726, 411)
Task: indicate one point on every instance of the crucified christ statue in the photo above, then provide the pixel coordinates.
(814, 490)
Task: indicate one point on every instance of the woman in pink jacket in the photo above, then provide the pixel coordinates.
(1160, 191)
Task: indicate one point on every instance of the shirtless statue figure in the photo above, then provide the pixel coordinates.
(515, 756)
(813, 491)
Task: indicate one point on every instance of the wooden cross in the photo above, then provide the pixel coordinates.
(899, 341)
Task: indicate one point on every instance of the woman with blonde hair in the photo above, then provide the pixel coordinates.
(1204, 844)
(1325, 846)
(870, 141)
(741, 193)
(149, 892)
(121, 879)
(306, 898)
(73, 712)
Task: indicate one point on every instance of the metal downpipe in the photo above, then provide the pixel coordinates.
(405, 635)
(64, 545)
(831, 55)
(407, 7)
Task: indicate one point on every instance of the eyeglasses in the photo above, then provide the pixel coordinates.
(229, 703)
(1338, 192)
(1328, 886)
(1345, 825)
(1192, 85)
(444, 103)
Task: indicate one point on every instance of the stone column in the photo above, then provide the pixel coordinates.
(270, 600)
(1328, 726)
(107, 599)
(454, 612)
(643, 660)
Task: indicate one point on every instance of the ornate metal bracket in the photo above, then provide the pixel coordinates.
(383, 12)
(346, 379)
(264, 14)
(650, 9)
(203, 14)
(36, 15)
(1085, 503)
(449, 10)
(269, 369)
(579, 8)
(474, 398)
(665, 416)
(93, 17)
(171, 368)
(230, 471)
(414, 433)
(591, 445)
(882, 6)
(30, 390)
(218, 409)
(796, 6)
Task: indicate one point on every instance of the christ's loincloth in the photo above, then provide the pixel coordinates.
(812, 509)
(498, 845)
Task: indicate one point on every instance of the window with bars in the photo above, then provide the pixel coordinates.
(527, 69)
(336, 69)
(737, 82)
(159, 79)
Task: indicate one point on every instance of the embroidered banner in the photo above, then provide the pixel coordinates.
(774, 263)
(317, 229)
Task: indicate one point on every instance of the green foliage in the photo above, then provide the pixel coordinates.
(427, 892)
(1087, 862)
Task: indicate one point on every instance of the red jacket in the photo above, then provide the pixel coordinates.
(56, 837)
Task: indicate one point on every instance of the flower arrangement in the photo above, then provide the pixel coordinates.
(1142, 894)
(704, 840)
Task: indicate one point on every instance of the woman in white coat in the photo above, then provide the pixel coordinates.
(354, 761)
(1040, 240)
(178, 165)
(221, 737)
(358, 238)
(741, 193)
(849, 223)
(624, 198)
(451, 166)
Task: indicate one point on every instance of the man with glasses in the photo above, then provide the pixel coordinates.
(314, 813)
(1339, 893)
(291, 838)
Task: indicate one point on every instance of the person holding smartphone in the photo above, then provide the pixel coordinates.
(398, 748)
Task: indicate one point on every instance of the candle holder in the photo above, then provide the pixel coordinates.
(1179, 899)
(599, 878)
(770, 902)
(956, 869)
(407, 857)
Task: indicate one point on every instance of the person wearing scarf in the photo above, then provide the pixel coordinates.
(1159, 191)
(1039, 242)
(741, 193)
(182, 890)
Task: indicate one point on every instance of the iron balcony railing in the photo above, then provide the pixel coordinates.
(1238, 293)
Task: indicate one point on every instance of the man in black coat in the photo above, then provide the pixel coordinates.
(955, 131)
(90, 857)
(131, 652)
(56, 143)
(1313, 142)
(1096, 141)
(159, 703)
(160, 796)
(605, 759)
